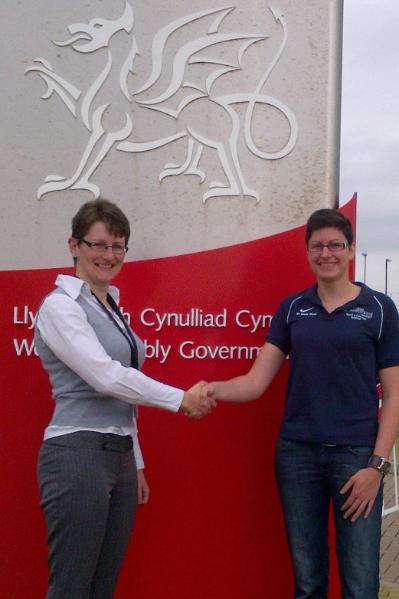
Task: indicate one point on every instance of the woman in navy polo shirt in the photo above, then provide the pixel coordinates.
(340, 337)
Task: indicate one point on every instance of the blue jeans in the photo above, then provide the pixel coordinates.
(309, 477)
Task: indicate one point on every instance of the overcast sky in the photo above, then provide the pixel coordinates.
(370, 134)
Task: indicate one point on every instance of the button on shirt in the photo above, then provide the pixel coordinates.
(334, 363)
(64, 328)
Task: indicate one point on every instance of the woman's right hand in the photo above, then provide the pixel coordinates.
(196, 405)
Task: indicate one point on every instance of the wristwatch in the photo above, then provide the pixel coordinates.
(380, 464)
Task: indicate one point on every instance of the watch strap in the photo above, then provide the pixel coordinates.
(379, 463)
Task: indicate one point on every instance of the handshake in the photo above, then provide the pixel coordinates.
(198, 401)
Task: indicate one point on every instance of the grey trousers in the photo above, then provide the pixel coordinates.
(88, 486)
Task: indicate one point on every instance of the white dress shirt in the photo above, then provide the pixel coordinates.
(64, 328)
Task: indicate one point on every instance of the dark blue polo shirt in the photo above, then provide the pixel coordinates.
(334, 363)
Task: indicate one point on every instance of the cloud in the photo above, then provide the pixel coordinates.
(370, 128)
(370, 87)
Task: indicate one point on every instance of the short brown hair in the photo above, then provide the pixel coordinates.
(100, 210)
(329, 217)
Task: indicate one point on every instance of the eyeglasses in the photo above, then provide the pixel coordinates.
(100, 247)
(333, 246)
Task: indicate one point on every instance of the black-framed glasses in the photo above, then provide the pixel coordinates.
(333, 246)
(100, 247)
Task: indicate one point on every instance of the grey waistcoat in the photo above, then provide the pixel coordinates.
(76, 403)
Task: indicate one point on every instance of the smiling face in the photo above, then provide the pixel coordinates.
(97, 268)
(330, 264)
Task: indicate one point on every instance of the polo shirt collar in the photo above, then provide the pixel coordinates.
(363, 297)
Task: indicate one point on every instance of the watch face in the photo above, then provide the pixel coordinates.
(380, 464)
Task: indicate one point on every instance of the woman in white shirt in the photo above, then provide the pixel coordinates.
(90, 466)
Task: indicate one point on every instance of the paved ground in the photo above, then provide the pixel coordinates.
(389, 562)
(389, 592)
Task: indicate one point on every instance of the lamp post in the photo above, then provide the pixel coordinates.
(364, 254)
(386, 275)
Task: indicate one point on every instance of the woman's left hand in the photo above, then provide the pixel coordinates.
(143, 489)
(363, 487)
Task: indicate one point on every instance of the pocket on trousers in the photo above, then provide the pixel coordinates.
(363, 451)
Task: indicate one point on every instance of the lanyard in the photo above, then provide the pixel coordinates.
(127, 333)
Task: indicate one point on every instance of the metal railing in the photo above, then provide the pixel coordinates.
(391, 485)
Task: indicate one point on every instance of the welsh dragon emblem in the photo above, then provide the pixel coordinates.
(91, 105)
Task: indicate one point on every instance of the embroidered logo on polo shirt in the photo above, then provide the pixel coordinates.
(306, 312)
(359, 314)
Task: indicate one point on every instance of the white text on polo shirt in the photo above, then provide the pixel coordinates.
(306, 312)
(359, 314)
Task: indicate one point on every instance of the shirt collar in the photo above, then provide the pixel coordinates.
(363, 297)
(366, 294)
(74, 287)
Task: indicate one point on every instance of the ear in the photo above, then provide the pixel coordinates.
(73, 246)
(352, 251)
